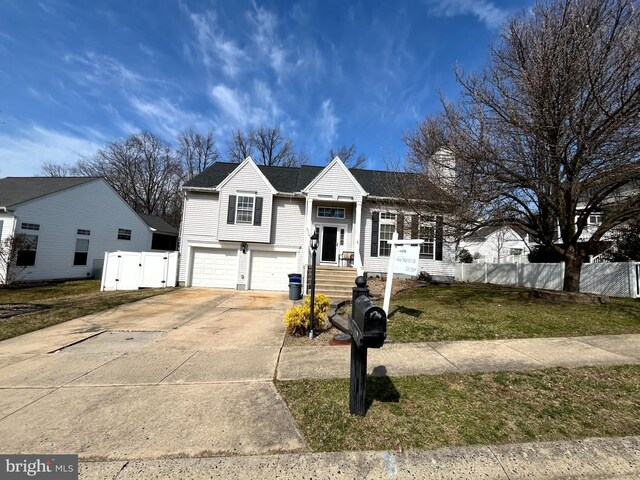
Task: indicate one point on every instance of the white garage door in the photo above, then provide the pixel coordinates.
(269, 270)
(214, 268)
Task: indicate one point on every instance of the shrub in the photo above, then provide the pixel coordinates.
(297, 318)
(464, 256)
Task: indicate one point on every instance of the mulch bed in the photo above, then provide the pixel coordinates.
(8, 310)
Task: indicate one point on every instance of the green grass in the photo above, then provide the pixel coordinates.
(465, 409)
(67, 300)
(478, 312)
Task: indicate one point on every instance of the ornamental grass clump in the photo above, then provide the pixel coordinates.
(297, 318)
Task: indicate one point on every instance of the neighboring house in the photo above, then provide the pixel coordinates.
(246, 226)
(71, 222)
(497, 245)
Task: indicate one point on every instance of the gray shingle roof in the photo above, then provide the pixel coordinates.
(158, 224)
(15, 190)
(377, 183)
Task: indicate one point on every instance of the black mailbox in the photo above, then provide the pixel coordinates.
(368, 323)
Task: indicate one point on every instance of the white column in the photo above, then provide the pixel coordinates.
(357, 259)
(308, 227)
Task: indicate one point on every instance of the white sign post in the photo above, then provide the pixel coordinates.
(404, 259)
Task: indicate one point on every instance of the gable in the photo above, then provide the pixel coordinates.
(335, 182)
(247, 173)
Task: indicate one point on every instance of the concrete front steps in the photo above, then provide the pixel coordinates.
(334, 282)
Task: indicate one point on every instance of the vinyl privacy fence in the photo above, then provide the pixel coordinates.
(613, 279)
(134, 270)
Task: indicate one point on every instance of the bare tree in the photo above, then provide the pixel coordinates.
(239, 147)
(549, 133)
(49, 169)
(143, 169)
(196, 151)
(349, 156)
(10, 249)
(272, 148)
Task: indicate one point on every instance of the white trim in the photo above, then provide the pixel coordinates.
(246, 161)
(324, 171)
(253, 208)
(321, 226)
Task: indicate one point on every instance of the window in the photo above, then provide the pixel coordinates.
(342, 236)
(330, 212)
(30, 226)
(82, 250)
(244, 210)
(387, 227)
(595, 219)
(515, 251)
(124, 234)
(427, 232)
(82, 231)
(27, 255)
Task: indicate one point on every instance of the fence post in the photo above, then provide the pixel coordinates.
(486, 274)
(633, 280)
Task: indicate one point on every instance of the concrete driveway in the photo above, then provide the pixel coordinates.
(188, 373)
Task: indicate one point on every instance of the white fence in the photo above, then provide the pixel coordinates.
(613, 279)
(134, 270)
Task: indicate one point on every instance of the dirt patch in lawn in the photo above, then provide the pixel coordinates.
(321, 339)
(377, 285)
(9, 310)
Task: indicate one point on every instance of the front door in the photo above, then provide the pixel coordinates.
(328, 247)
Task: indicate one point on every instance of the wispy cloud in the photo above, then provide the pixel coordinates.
(164, 116)
(485, 11)
(102, 69)
(23, 152)
(214, 46)
(267, 38)
(328, 122)
(246, 109)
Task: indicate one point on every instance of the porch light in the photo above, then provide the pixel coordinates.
(314, 241)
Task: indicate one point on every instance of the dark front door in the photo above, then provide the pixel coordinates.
(329, 236)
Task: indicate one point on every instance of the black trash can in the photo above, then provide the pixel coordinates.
(295, 291)
(295, 278)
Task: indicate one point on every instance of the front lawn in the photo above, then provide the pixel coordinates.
(472, 408)
(66, 300)
(478, 312)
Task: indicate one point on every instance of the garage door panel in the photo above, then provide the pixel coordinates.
(269, 270)
(214, 268)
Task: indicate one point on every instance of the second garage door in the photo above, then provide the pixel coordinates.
(269, 270)
(214, 268)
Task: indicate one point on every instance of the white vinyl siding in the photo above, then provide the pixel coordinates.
(214, 268)
(245, 180)
(380, 264)
(199, 224)
(335, 184)
(93, 206)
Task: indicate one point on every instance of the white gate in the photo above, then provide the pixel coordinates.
(134, 270)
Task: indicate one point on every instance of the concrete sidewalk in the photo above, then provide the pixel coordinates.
(401, 359)
(611, 458)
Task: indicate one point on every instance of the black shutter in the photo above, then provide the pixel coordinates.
(231, 212)
(414, 226)
(439, 237)
(375, 228)
(257, 216)
(400, 226)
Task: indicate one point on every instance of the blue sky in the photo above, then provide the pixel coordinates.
(77, 74)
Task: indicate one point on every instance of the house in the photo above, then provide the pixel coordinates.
(71, 222)
(246, 226)
(496, 244)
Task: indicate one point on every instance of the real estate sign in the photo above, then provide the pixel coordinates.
(407, 257)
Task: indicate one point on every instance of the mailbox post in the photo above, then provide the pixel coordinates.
(368, 324)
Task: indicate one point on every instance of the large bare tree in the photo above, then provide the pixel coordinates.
(266, 145)
(349, 156)
(143, 169)
(549, 133)
(196, 151)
